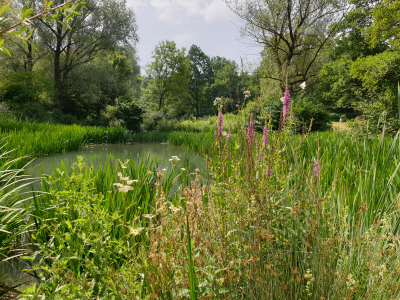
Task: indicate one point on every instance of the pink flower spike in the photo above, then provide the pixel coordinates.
(265, 136)
(286, 104)
(317, 169)
(220, 123)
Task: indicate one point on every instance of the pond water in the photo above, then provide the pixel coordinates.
(98, 154)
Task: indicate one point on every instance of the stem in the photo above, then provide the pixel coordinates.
(36, 16)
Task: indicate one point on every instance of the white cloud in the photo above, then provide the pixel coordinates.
(175, 11)
(182, 39)
(216, 11)
(135, 4)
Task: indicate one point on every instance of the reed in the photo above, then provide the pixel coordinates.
(311, 216)
(34, 139)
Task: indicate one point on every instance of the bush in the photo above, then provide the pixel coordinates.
(32, 111)
(343, 117)
(130, 114)
(271, 110)
(308, 108)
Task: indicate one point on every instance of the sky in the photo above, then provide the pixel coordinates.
(208, 24)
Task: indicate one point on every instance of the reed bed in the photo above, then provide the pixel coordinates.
(274, 216)
(34, 139)
(312, 216)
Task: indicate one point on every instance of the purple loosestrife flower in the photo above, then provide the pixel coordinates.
(220, 123)
(228, 136)
(250, 133)
(260, 156)
(265, 136)
(286, 104)
(317, 169)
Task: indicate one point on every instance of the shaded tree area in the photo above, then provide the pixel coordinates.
(78, 70)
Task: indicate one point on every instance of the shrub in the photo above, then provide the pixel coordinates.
(130, 115)
(308, 108)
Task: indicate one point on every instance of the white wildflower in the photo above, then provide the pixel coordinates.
(135, 231)
(303, 85)
(217, 101)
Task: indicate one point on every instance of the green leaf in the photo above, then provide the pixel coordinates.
(2, 49)
(75, 13)
(398, 87)
(24, 8)
(1, 42)
(192, 274)
(21, 31)
(69, 17)
(4, 8)
(50, 3)
(28, 12)
(28, 36)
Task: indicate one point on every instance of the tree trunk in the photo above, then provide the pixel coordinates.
(57, 70)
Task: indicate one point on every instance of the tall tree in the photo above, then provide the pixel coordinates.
(103, 24)
(365, 63)
(292, 32)
(168, 74)
(201, 74)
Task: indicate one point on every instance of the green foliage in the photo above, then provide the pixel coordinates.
(23, 21)
(201, 74)
(19, 88)
(308, 108)
(130, 114)
(363, 73)
(168, 75)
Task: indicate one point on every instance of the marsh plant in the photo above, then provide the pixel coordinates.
(274, 216)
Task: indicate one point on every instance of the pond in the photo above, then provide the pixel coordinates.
(98, 154)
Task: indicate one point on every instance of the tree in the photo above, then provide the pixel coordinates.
(292, 32)
(201, 74)
(77, 44)
(226, 76)
(365, 63)
(168, 75)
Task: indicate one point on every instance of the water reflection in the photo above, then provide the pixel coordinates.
(99, 154)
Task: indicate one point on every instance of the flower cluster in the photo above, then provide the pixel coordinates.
(217, 101)
(247, 94)
(317, 169)
(265, 135)
(220, 123)
(250, 133)
(286, 104)
(124, 188)
(174, 159)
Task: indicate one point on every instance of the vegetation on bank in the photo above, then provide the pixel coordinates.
(27, 140)
(275, 215)
(280, 212)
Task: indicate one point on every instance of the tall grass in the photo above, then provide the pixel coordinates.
(311, 216)
(13, 214)
(33, 139)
